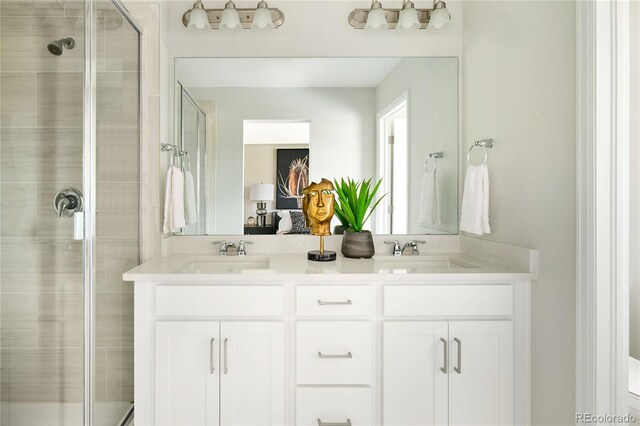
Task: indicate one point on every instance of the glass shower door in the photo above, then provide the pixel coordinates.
(65, 312)
(117, 220)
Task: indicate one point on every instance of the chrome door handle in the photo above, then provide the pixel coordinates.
(226, 369)
(347, 423)
(445, 367)
(346, 302)
(458, 369)
(347, 355)
(212, 365)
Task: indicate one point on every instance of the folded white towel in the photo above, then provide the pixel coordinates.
(475, 201)
(190, 199)
(430, 199)
(174, 201)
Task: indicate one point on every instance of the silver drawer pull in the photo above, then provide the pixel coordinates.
(211, 361)
(347, 423)
(347, 355)
(226, 366)
(346, 302)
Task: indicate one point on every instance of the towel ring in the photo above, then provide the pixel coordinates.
(486, 154)
(435, 156)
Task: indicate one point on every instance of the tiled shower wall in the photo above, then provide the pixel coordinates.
(40, 153)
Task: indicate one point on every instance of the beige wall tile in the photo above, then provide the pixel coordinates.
(18, 209)
(41, 375)
(60, 320)
(121, 255)
(17, 99)
(118, 154)
(118, 205)
(41, 155)
(40, 265)
(31, 8)
(120, 375)
(19, 320)
(101, 375)
(117, 99)
(109, 321)
(121, 47)
(59, 99)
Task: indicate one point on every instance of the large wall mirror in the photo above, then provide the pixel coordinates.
(257, 130)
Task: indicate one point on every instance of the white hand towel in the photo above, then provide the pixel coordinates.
(190, 199)
(430, 199)
(475, 201)
(174, 201)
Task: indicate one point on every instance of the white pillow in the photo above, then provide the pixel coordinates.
(285, 225)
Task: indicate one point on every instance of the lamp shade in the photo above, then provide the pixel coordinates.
(230, 21)
(262, 21)
(261, 192)
(408, 20)
(376, 19)
(439, 16)
(198, 19)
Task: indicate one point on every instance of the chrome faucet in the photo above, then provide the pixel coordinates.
(411, 247)
(396, 247)
(241, 250)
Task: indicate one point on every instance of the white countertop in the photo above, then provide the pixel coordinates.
(178, 268)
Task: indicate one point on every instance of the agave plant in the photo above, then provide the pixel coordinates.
(353, 206)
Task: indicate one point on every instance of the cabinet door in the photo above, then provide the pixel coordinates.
(481, 373)
(415, 387)
(252, 378)
(187, 374)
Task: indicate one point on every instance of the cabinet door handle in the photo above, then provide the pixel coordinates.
(347, 355)
(346, 302)
(445, 367)
(226, 368)
(212, 364)
(347, 423)
(458, 369)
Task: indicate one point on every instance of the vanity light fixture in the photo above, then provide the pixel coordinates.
(262, 18)
(406, 19)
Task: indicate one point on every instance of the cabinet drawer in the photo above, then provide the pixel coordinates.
(420, 300)
(334, 300)
(334, 406)
(334, 352)
(219, 300)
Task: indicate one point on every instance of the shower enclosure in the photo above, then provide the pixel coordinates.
(69, 210)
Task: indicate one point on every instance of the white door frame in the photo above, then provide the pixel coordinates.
(602, 316)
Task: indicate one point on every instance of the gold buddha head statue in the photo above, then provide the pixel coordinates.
(318, 206)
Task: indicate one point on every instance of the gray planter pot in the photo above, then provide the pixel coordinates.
(339, 230)
(358, 245)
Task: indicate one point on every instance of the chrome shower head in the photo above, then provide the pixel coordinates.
(58, 46)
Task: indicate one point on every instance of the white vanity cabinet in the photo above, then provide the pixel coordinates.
(357, 350)
(211, 373)
(448, 372)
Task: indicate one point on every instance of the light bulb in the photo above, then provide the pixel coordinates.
(439, 17)
(408, 20)
(230, 21)
(262, 21)
(376, 19)
(198, 19)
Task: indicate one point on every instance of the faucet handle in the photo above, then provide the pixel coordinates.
(223, 246)
(416, 242)
(396, 247)
(413, 245)
(241, 249)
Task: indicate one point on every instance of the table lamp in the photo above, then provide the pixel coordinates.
(261, 192)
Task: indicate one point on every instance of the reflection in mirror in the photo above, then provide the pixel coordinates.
(267, 127)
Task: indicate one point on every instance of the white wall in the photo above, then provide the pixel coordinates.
(433, 126)
(634, 202)
(519, 78)
(342, 136)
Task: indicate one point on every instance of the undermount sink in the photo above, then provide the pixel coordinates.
(223, 264)
(417, 264)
